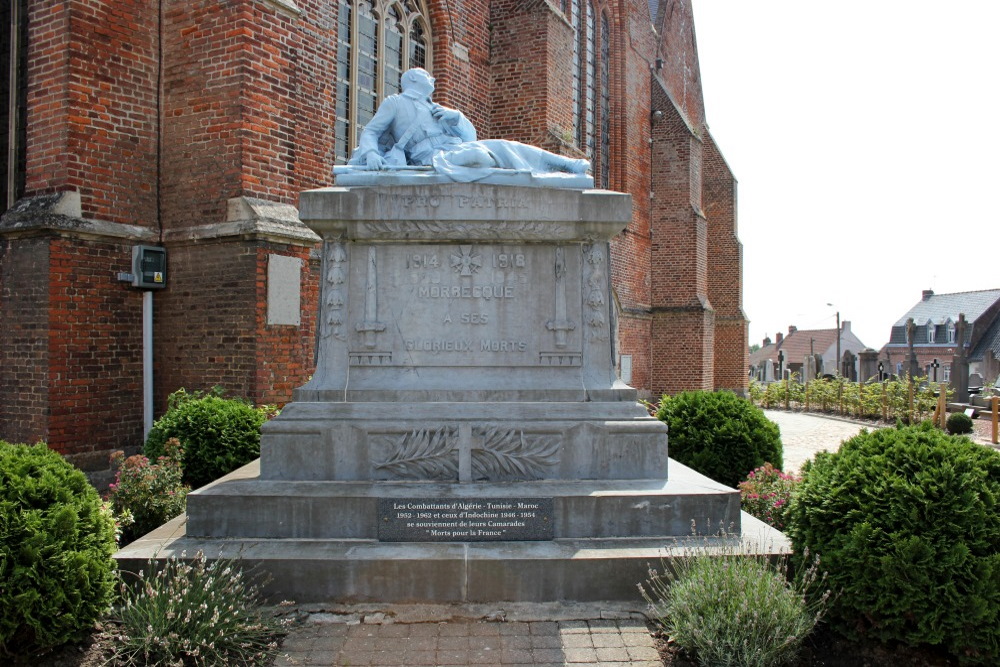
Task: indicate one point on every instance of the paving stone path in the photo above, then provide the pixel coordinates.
(803, 435)
(609, 643)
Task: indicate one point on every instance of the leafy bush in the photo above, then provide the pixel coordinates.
(959, 423)
(56, 540)
(767, 495)
(219, 435)
(735, 610)
(908, 523)
(146, 495)
(194, 613)
(719, 434)
(854, 398)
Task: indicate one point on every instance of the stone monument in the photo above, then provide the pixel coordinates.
(464, 437)
(960, 362)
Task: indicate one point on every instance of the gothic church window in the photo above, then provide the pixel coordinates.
(605, 154)
(377, 40)
(583, 19)
(13, 101)
(591, 69)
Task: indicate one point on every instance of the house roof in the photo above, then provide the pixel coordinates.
(989, 341)
(939, 308)
(796, 346)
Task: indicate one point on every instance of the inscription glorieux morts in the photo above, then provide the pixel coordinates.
(465, 304)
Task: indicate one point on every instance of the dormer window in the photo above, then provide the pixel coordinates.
(951, 333)
(930, 332)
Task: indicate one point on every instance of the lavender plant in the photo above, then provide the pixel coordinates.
(733, 610)
(196, 613)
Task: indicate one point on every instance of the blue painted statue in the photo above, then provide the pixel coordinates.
(409, 130)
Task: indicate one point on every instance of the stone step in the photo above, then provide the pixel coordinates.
(370, 571)
(243, 514)
(242, 505)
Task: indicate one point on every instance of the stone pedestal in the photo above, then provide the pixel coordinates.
(464, 426)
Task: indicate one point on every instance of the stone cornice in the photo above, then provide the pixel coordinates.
(251, 218)
(60, 214)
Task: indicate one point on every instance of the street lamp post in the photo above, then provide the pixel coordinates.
(839, 369)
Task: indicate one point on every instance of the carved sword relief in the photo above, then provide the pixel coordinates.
(560, 325)
(371, 326)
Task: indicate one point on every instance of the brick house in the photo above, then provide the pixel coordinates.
(936, 334)
(194, 125)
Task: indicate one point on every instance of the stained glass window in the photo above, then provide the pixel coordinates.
(377, 40)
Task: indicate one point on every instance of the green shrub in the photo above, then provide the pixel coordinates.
(56, 540)
(734, 610)
(767, 493)
(959, 423)
(146, 495)
(194, 613)
(219, 435)
(908, 523)
(719, 434)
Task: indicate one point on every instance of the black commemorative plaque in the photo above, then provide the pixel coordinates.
(450, 520)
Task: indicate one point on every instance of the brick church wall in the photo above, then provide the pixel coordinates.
(92, 106)
(24, 351)
(682, 335)
(732, 357)
(95, 351)
(246, 111)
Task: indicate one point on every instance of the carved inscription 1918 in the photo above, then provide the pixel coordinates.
(449, 520)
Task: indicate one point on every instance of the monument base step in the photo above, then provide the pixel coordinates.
(242, 505)
(360, 571)
(368, 570)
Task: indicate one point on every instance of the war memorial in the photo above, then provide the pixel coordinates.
(464, 437)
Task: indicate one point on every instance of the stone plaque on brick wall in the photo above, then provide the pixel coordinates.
(448, 520)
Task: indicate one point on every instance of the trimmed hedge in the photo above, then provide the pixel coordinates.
(907, 522)
(720, 434)
(57, 576)
(218, 434)
(959, 423)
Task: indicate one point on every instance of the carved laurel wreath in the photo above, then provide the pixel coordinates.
(423, 454)
(507, 455)
(499, 455)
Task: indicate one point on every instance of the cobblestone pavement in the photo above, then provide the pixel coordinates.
(803, 435)
(472, 642)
